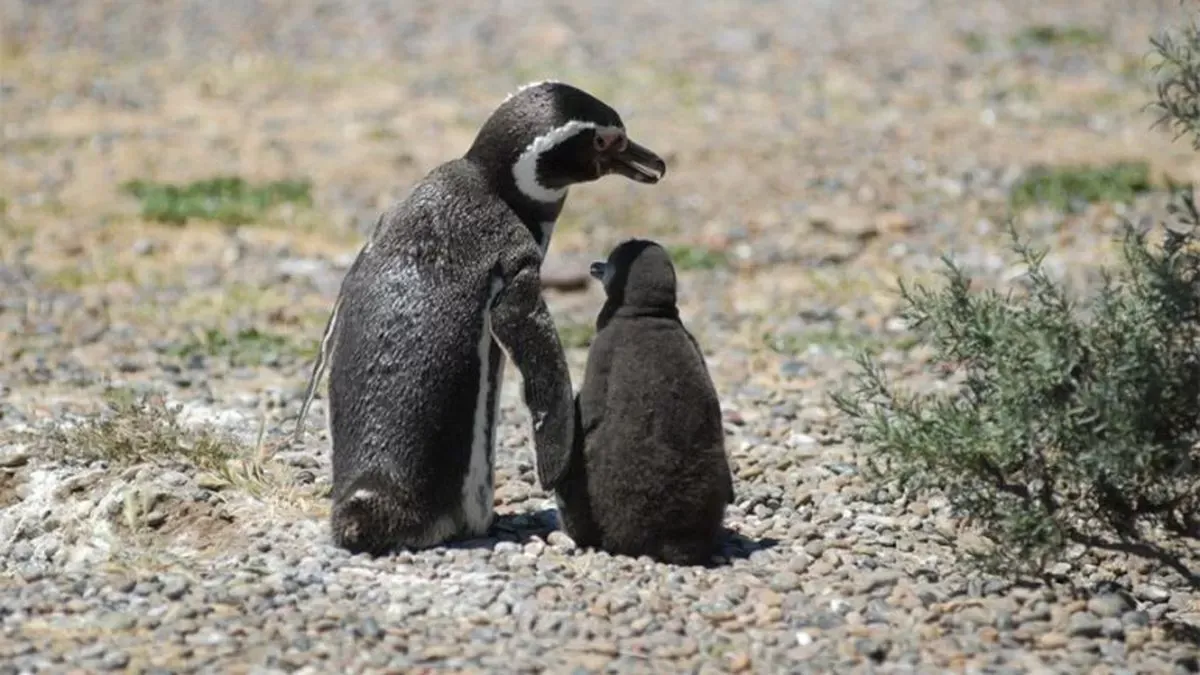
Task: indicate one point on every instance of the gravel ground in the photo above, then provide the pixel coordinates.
(817, 151)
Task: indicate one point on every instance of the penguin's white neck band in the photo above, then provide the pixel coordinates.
(525, 169)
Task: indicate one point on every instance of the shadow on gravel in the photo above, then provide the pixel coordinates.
(735, 546)
(513, 527)
(522, 527)
(1185, 632)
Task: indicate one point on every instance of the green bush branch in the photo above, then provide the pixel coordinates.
(1072, 423)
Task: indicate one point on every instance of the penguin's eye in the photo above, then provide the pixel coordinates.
(607, 142)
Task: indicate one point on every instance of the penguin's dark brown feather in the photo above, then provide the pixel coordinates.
(649, 475)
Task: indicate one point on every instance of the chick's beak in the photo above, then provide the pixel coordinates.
(597, 270)
(638, 163)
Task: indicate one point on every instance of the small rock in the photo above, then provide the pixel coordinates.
(892, 222)
(1109, 605)
(1052, 640)
(1111, 627)
(799, 564)
(1152, 593)
(115, 660)
(1136, 637)
(559, 540)
(143, 247)
(1084, 624)
(174, 588)
(119, 622)
(847, 221)
(370, 629)
(21, 551)
(1060, 569)
(1135, 619)
(784, 582)
(13, 456)
(878, 580)
(796, 440)
(739, 662)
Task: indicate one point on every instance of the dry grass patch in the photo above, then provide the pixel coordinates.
(136, 428)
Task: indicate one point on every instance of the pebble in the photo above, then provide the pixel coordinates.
(1110, 605)
(785, 581)
(1112, 628)
(1152, 593)
(13, 456)
(1085, 624)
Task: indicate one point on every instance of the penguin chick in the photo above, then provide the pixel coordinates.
(445, 287)
(648, 473)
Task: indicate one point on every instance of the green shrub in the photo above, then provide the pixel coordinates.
(1178, 103)
(226, 199)
(1067, 187)
(1074, 422)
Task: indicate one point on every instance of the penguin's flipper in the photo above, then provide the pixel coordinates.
(522, 324)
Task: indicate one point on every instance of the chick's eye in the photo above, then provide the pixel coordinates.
(601, 142)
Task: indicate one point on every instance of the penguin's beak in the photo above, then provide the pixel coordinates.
(598, 269)
(637, 162)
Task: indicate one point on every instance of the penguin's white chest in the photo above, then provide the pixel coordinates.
(478, 485)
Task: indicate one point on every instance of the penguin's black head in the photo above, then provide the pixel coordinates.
(550, 135)
(638, 273)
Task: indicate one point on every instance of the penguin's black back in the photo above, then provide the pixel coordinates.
(653, 455)
(408, 341)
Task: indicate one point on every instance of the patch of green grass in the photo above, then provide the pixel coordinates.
(1107, 100)
(686, 257)
(38, 143)
(137, 428)
(1045, 35)
(975, 42)
(381, 133)
(1067, 187)
(226, 199)
(247, 347)
(576, 334)
(74, 278)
